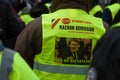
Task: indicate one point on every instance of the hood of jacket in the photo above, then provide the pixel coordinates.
(78, 4)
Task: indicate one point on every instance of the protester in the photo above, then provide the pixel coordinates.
(10, 25)
(105, 63)
(12, 65)
(69, 19)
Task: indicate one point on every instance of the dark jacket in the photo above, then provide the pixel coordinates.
(106, 57)
(9, 24)
(29, 42)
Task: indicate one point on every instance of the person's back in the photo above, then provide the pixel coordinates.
(13, 66)
(68, 20)
(105, 63)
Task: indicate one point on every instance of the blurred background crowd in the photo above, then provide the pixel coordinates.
(27, 10)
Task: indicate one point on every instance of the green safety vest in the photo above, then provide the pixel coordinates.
(95, 9)
(67, 24)
(114, 9)
(9, 69)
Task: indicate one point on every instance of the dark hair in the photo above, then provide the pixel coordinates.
(74, 39)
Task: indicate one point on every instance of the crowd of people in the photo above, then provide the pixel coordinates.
(59, 39)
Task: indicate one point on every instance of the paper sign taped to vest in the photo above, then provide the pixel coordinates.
(73, 51)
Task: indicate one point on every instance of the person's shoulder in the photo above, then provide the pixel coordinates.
(112, 34)
(114, 30)
(36, 21)
(35, 24)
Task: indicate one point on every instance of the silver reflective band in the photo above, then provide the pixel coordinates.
(61, 69)
(6, 64)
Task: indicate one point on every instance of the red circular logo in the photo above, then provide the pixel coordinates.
(65, 20)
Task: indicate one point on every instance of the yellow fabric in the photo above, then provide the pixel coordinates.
(26, 18)
(114, 9)
(115, 25)
(21, 71)
(81, 26)
(95, 9)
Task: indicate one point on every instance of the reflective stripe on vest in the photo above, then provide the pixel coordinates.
(60, 69)
(6, 64)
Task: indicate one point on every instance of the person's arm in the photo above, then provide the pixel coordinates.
(29, 41)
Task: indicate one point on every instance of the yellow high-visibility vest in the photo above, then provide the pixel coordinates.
(66, 24)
